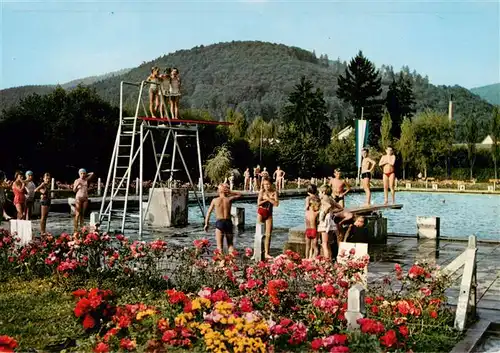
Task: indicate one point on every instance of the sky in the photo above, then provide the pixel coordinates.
(49, 42)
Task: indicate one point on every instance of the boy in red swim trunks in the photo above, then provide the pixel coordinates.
(224, 224)
(311, 231)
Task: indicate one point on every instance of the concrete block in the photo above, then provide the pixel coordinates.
(23, 229)
(169, 207)
(238, 216)
(428, 227)
(461, 187)
(361, 249)
(434, 186)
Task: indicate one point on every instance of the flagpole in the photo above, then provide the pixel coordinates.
(359, 168)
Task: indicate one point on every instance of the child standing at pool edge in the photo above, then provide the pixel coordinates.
(311, 228)
(224, 225)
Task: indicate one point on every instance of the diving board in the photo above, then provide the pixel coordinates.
(372, 208)
(182, 121)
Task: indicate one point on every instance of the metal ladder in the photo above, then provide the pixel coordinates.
(124, 155)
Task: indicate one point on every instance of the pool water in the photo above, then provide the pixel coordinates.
(461, 214)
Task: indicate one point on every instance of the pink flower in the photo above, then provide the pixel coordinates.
(248, 252)
(426, 291)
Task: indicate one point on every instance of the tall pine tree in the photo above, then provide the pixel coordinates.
(400, 102)
(307, 111)
(361, 87)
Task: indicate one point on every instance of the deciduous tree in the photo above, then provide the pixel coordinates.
(385, 131)
(471, 138)
(495, 137)
(406, 144)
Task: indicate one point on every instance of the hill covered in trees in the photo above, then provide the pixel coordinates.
(256, 79)
(12, 96)
(490, 93)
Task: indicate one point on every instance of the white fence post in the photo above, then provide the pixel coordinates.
(258, 248)
(98, 186)
(52, 187)
(355, 306)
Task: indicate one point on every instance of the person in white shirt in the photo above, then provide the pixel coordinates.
(30, 195)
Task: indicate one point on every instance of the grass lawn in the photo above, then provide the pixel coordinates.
(37, 314)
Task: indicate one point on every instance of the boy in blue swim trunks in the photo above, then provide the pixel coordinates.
(224, 224)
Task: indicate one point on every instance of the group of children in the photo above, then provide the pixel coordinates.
(25, 189)
(325, 219)
(254, 184)
(164, 89)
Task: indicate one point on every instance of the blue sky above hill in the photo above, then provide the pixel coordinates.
(453, 42)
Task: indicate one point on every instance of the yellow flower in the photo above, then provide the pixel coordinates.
(144, 313)
(195, 304)
(182, 319)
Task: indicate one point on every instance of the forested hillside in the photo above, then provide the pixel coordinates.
(257, 77)
(12, 96)
(490, 93)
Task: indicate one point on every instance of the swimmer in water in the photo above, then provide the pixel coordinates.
(81, 188)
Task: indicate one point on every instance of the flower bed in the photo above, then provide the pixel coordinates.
(227, 303)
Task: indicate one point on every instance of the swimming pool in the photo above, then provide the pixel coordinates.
(461, 214)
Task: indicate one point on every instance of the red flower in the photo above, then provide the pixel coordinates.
(339, 339)
(389, 339)
(175, 296)
(101, 348)
(80, 293)
(374, 309)
(128, 344)
(82, 307)
(88, 322)
(124, 321)
(316, 344)
(369, 300)
(201, 243)
(246, 305)
(339, 349)
(403, 330)
(168, 336)
(7, 344)
(434, 314)
(416, 271)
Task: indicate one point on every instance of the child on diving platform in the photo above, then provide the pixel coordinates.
(224, 224)
(326, 225)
